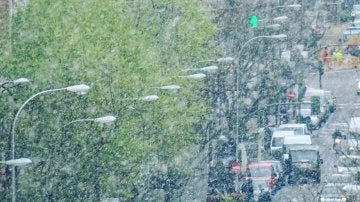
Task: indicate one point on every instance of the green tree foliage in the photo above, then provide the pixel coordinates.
(315, 105)
(122, 49)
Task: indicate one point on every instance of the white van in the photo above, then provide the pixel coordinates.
(298, 128)
(297, 140)
(277, 139)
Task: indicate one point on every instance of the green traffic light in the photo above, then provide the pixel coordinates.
(254, 21)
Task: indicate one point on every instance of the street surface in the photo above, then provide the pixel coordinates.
(343, 84)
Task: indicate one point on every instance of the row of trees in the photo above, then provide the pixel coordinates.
(121, 49)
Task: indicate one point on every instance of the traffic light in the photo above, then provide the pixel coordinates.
(254, 21)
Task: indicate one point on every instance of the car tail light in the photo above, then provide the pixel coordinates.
(271, 182)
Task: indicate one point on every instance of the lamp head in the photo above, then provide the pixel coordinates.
(170, 88)
(211, 68)
(106, 119)
(225, 59)
(79, 89)
(279, 36)
(199, 76)
(18, 162)
(281, 18)
(149, 98)
(296, 6)
(21, 81)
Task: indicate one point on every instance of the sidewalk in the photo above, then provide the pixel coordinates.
(197, 163)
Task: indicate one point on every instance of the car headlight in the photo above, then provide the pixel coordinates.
(351, 148)
(340, 170)
(343, 199)
(322, 199)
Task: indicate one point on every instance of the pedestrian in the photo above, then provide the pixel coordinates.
(325, 55)
(336, 134)
(336, 140)
(248, 189)
(267, 139)
(264, 196)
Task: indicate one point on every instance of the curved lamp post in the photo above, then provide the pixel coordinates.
(78, 89)
(280, 36)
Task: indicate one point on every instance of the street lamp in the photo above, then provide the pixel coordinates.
(280, 36)
(225, 60)
(220, 60)
(148, 98)
(103, 120)
(15, 82)
(170, 88)
(281, 18)
(17, 162)
(78, 89)
(291, 6)
(199, 76)
(274, 26)
(296, 6)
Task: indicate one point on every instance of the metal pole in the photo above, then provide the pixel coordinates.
(13, 137)
(237, 83)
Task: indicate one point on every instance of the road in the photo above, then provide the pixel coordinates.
(343, 84)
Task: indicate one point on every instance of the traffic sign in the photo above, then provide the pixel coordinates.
(291, 96)
(236, 167)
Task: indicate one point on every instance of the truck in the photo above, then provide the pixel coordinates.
(316, 107)
(298, 128)
(277, 140)
(303, 163)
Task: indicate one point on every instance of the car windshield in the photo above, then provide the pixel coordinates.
(304, 156)
(349, 162)
(354, 136)
(306, 106)
(340, 179)
(297, 130)
(278, 142)
(260, 172)
(332, 190)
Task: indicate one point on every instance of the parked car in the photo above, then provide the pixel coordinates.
(331, 192)
(334, 187)
(349, 32)
(340, 179)
(348, 164)
(297, 140)
(277, 140)
(262, 191)
(262, 171)
(352, 192)
(353, 50)
(278, 169)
